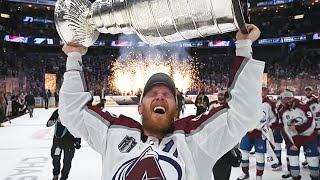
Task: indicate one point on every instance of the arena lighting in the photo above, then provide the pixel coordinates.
(7, 16)
(300, 16)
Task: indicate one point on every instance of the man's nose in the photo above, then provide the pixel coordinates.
(159, 96)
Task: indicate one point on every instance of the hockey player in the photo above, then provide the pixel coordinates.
(62, 141)
(257, 139)
(313, 103)
(222, 169)
(279, 139)
(160, 147)
(298, 130)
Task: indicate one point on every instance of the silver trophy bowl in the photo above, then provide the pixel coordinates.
(154, 21)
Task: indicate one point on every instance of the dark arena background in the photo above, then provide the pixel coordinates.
(116, 69)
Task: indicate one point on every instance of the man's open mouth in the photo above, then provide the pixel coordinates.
(159, 110)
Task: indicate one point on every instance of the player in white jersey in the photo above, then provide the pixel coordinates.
(257, 138)
(298, 130)
(314, 105)
(279, 139)
(222, 169)
(160, 147)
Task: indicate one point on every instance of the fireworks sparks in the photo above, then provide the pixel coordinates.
(131, 72)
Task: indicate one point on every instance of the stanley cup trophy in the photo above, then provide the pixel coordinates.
(154, 21)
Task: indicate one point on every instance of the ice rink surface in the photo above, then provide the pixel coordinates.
(26, 142)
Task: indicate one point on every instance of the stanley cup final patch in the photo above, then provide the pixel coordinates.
(127, 144)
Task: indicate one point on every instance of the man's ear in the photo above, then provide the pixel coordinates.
(140, 109)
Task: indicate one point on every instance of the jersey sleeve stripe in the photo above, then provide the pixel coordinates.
(113, 120)
(193, 124)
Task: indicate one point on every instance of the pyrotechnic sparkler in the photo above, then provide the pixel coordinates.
(131, 72)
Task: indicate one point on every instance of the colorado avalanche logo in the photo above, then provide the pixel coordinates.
(149, 165)
(295, 121)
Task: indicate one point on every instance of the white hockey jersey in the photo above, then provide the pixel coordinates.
(314, 106)
(301, 118)
(268, 118)
(188, 153)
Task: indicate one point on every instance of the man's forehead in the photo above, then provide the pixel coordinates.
(159, 86)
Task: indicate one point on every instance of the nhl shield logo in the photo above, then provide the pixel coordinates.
(127, 144)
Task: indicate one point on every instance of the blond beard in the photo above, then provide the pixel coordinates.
(163, 125)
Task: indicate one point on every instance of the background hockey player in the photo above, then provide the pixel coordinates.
(222, 169)
(257, 139)
(298, 130)
(279, 138)
(313, 102)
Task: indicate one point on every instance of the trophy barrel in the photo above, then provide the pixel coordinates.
(154, 21)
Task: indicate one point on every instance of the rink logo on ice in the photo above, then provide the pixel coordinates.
(29, 168)
(127, 144)
(149, 165)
